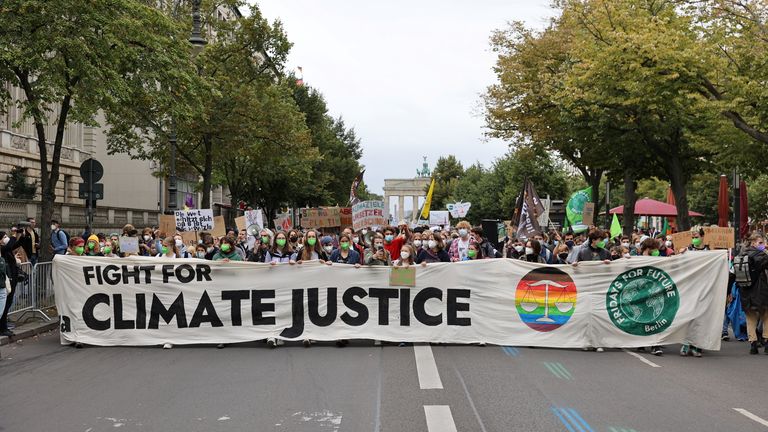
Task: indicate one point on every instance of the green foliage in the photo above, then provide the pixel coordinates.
(448, 170)
(19, 186)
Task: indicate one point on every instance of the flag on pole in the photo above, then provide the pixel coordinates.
(575, 208)
(299, 76)
(529, 225)
(428, 202)
(615, 227)
(353, 199)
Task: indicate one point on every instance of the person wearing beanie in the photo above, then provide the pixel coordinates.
(92, 247)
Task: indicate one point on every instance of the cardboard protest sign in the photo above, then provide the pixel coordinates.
(283, 222)
(219, 227)
(322, 217)
(367, 214)
(401, 276)
(588, 215)
(439, 218)
(681, 240)
(168, 224)
(719, 237)
(189, 238)
(194, 220)
(129, 245)
(240, 223)
(346, 216)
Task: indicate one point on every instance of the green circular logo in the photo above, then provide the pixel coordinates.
(642, 301)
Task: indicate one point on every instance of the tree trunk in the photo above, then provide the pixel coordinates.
(679, 183)
(207, 173)
(630, 198)
(594, 181)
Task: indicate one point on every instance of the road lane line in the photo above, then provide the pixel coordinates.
(439, 418)
(426, 368)
(641, 358)
(586, 425)
(469, 398)
(552, 370)
(751, 416)
(511, 351)
(565, 421)
(567, 375)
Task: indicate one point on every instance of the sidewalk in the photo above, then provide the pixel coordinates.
(30, 328)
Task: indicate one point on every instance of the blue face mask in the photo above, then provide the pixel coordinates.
(569, 243)
(389, 238)
(761, 247)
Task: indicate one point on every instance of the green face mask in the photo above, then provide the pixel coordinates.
(311, 241)
(696, 242)
(280, 242)
(165, 250)
(655, 252)
(107, 250)
(344, 245)
(600, 244)
(79, 250)
(225, 247)
(471, 253)
(91, 245)
(264, 239)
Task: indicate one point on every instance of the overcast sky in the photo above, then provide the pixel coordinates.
(406, 74)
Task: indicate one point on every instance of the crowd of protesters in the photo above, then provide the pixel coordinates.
(398, 245)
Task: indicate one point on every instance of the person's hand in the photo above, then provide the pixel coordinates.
(226, 260)
(291, 262)
(606, 261)
(406, 265)
(328, 263)
(575, 264)
(357, 265)
(424, 264)
(273, 263)
(299, 262)
(682, 250)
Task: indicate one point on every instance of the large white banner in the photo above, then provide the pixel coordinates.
(633, 302)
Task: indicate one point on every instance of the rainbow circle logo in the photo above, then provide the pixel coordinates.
(545, 299)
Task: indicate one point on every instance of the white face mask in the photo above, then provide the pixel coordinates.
(355, 239)
(417, 243)
(53, 227)
(404, 255)
(519, 248)
(210, 249)
(432, 244)
(529, 251)
(668, 243)
(637, 245)
(179, 243)
(364, 231)
(462, 232)
(201, 255)
(147, 238)
(328, 248)
(625, 244)
(6, 239)
(101, 244)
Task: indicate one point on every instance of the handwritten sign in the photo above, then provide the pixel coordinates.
(129, 245)
(681, 240)
(346, 216)
(401, 276)
(588, 215)
(439, 218)
(366, 214)
(194, 220)
(459, 210)
(254, 217)
(189, 238)
(168, 225)
(283, 222)
(719, 237)
(322, 217)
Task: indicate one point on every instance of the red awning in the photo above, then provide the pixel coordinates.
(649, 207)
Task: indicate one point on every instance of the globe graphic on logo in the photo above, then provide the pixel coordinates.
(576, 203)
(545, 299)
(642, 301)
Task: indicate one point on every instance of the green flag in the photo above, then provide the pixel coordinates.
(575, 208)
(666, 230)
(615, 227)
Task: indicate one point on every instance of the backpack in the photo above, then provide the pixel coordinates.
(741, 269)
(66, 237)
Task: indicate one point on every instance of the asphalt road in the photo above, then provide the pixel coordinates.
(45, 386)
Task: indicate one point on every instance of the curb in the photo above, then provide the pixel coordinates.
(25, 331)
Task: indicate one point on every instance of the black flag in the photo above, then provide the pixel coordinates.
(353, 199)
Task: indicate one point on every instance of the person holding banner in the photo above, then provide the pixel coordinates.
(697, 244)
(355, 241)
(433, 250)
(92, 247)
(474, 253)
(293, 239)
(594, 248)
(345, 254)
(460, 245)
(311, 250)
(281, 251)
(533, 252)
(227, 251)
(407, 255)
(754, 299)
(378, 255)
(168, 249)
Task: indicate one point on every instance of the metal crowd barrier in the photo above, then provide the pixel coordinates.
(34, 292)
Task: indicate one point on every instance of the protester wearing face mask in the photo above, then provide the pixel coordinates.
(326, 242)
(406, 257)
(260, 249)
(168, 249)
(312, 249)
(594, 249)
(393, 242)
(145, 242)
(474, 253)
(460, 247)
(516, 248)
(545, 252)
(242, 244)
(183, 252)
(532, 252)
(109, 249)
(227, 251)
(355, 244)
(345, 254)
(378, 254)
(293, 238)
(560, 253)
(281, 251)
(433, 250)
(417, 241)
(92, 246)
(200, 251)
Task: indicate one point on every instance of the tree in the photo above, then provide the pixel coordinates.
(71, 61)
(447, 173)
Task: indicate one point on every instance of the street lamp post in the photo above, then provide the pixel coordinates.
(198, 42)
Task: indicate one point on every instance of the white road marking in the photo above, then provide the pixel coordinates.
(439, 418)
(642, 359)
(750, 416)
(429, 377)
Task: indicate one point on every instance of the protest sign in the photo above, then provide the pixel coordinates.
(346, 216)
(219, 227)
(367, 214)
(194, 220)
(167, 225)
(439, 218)
(681, 240)
(588, 215)
(240, 223)
(321, 217)
(459, 210)
(642, 301)
(283, 222)
(189, 238)
(254, 217)
(401, 276)
(719, 237)
(129, 245)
